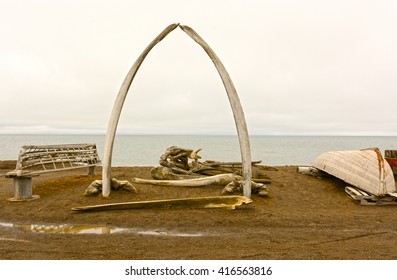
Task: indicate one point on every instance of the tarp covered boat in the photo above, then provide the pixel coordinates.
(365, 169)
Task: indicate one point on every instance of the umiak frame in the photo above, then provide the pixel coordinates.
(231, 93)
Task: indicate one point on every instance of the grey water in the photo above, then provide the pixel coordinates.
(95, 229)
(145, 150)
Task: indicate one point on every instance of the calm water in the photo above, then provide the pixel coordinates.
(130, 150)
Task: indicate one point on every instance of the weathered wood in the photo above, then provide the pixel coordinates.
(309, 170)
(229, 202)
(262, 181)
(238, 113)
(364, 198)
(227, 163)
(391, 158)
(91, 170)
(177, 159)
(35, 160)
(217, 167)
(180, 163)
(391, 153)
(166, 173)
(365, 169)
(23, 189)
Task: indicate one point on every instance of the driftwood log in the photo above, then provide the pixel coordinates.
(181, 163)
(165, 173)
(177, 159)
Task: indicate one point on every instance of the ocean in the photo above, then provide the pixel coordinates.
(145, 150)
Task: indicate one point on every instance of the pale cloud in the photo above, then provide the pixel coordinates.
(300, 67)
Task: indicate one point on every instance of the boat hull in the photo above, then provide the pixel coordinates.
(365, 169)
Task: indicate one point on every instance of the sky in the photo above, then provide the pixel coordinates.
(303, 67)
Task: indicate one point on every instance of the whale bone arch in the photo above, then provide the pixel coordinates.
(234, 101)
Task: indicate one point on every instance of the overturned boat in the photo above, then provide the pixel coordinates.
(365, 169)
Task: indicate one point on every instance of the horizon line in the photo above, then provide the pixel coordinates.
(203, 134)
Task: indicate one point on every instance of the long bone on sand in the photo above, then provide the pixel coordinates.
(229, 202)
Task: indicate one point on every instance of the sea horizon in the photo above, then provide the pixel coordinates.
(208, 134)
(146, 149)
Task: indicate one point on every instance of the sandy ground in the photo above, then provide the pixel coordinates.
(305, 218)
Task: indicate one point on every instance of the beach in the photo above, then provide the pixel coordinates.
(304, 218)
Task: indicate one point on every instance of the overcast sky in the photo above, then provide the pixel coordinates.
(299, 67)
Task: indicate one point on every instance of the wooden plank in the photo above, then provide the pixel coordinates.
(377, 202)
(364, 199)
(391, 153)
(15, 173)
(352, 191)
(229, 202)
(363, 193)
(391, 158)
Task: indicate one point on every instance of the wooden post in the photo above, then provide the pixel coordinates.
(91, 171)
(23, 189)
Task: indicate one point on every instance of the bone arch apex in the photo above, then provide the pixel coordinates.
(234, 101)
